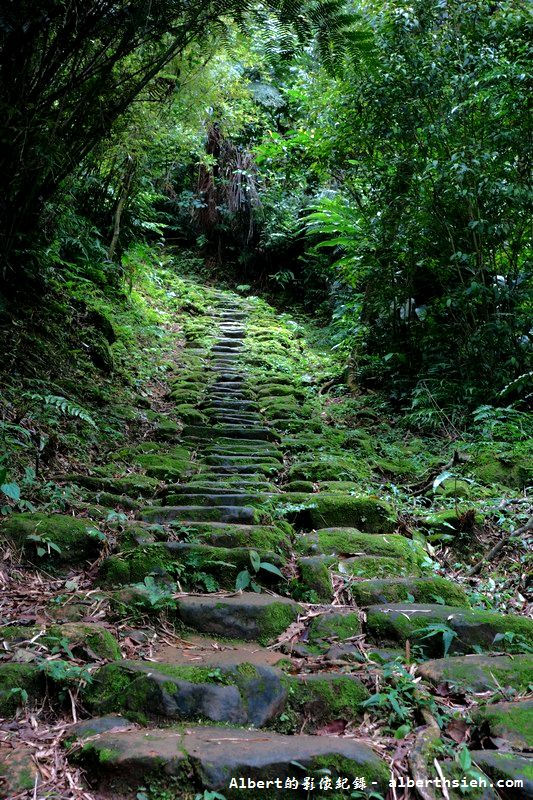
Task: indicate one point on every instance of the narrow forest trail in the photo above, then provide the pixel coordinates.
(294, 683)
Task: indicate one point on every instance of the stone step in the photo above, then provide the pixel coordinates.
(225, 460)
(235, 419)
(226, 534)
(245, 515)
(247, 616)
(210, 499)
(210, 487)
(511, 722)
(229, 403)
(480, 673)
(221, 758)
(229, 432)
(240, 694)
(241, 469)
(512, 771)
(473, 630)
(393, 590)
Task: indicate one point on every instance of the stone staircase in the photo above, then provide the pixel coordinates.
(225, 711)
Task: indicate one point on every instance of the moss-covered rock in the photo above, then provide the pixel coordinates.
(167, 467)
(189, 414)
(328, 510)
(314, 581)
(323, 697)
(299, 486)
(329, 468)
(18, 682)
(132, 485)
(418, 590)
(18, 771)
(74, 538)
(92, 641)
(333, 626)
(512, 722)
(472, 630)
(480, 673)
(350, 542)
(241, 694)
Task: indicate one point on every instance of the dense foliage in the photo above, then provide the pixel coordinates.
(371, 164)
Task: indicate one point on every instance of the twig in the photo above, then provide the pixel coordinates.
(499, 546)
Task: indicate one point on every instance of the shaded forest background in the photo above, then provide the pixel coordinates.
(367, 162)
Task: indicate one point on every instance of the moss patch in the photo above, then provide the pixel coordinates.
(72, 536)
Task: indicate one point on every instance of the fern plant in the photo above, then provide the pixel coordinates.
(64, 406)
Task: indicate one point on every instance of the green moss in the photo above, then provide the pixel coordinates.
(348, 542)
(92, 637)
(274, 619)
(422, 590)
(299, 486)
(166, 467)
(72, 536)
(314, 577)
(512, 721)
(322, 700)
(26, 677)
(329, 468)
(340, 626)
(114, 571)
(474, 629)
(190, 415)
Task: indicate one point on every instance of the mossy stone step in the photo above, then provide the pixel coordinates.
(507, 769)
(223, 563)
(226, 460)
(132, 485)
(223, 534)
(324, 696)
(480, 673)
(229, 432)
(510, 721)
(419, 590)
(336, 510)
(209, 499)
(240, 469)
(73, 537)
(221, 487)
(87, 639)
(26, 677)
(242, 694)
(248, 616)
(346, 542)
(220, 757)
(245, 405)
(396, 623)
(245, 515)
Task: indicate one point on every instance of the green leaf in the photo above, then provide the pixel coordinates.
(402, 731)
(11, 490)
(271, 568)
(463, 757)
(255, 559)
(243, 580)
(3, 474)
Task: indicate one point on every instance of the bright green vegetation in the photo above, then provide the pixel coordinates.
(265, 358)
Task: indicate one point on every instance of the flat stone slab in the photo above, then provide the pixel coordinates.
(512, 722)
(212, 652)
(398, 622)
(219, 755)
(394, 590)
(507, 767)
(242, 694)
(245, 515)
(229, 432)
(480, 673)
(248, 616)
